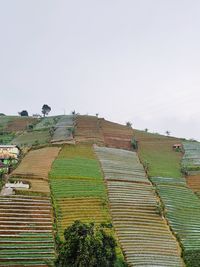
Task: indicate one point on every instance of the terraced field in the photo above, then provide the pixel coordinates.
(26, 233)
(78, 188)
(182, 209)
(116, 135)
(63, 129)
(144, 236)
(15, 123)
(47, 122)
(34, 169)
(27, 139)
(88, 130)
(191, 165)
(157, 155)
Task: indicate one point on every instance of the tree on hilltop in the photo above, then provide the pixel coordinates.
(45, 109)
(23, 113)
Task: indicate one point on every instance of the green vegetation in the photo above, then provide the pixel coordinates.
(32, 138)
(75, 174)
(87, 245)
(182, 209)
(6, 138)
(191, 158)
(155, 151)
(76, 168)
(47, 122)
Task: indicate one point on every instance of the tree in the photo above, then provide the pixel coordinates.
(45, 109)
(86, 245)
(23, 113)
(167, 133)
(129, 124)
(146, 130)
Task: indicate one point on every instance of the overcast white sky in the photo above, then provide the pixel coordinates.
(128, 60)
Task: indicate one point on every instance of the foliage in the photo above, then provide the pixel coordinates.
(129, 124)
(134, 143)
(23, 113)
(86, 245)
(46, 109)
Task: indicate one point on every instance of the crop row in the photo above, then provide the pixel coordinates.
(191, 158)
(77, 186)
(143, 234)
(182, 208)
(63, 129)
(26, 233)
(88, 130)
(37, 163)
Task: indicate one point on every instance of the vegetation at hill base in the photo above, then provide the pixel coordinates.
(87, 245)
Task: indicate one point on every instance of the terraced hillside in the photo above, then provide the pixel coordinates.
(182, 209)
(26, 228)
(15, 123)
(64, 129)
(88, 130)
(191, 165)
(157, 155)
(35, 167)
(116, 135)
(78, 188)
(10, 126)
(144, 236)
(26, 237)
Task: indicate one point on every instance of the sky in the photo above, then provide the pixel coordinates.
(126, 60)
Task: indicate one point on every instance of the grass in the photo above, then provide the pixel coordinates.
(156, 153)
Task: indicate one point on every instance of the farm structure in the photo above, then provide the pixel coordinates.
(182, 208)
(143, 234)
(9, 155)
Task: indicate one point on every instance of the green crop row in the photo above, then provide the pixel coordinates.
(75, 168)
(182, 209)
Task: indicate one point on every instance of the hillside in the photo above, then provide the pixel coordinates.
(85, 168)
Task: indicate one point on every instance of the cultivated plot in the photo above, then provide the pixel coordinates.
(144, 236)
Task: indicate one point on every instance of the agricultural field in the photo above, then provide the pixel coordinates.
(6, 138)
(182, 209)
(37, 163)
(143, 234)
(78, 188)
(191, 158)
(26, 233)
(28, 139)
(15, 123)
(47, 122)
(116, 135)
(63, 129)
(156, 153)
(88, 130)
